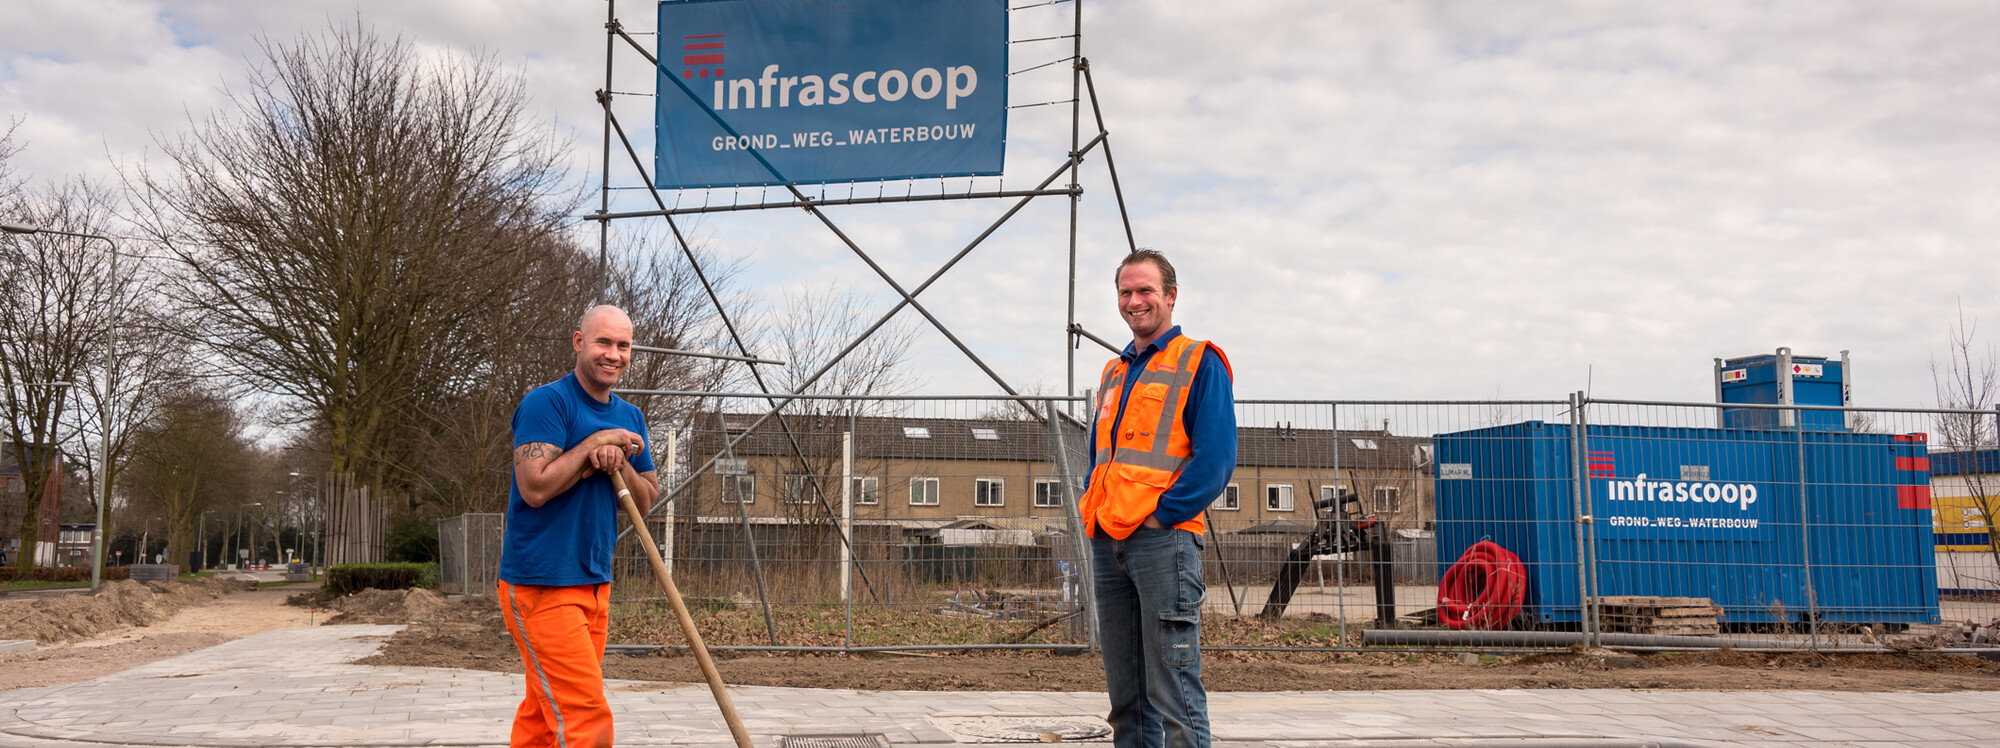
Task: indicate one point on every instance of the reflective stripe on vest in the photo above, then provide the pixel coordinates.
(1141, 441)
(1176, 381)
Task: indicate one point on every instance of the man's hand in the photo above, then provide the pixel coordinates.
(605, 459)
(628, 442)
(609, 449)
(1154, 523)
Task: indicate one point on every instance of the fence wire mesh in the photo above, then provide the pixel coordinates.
(469, 553)
(951, 523)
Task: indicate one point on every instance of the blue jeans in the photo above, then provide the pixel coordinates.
(1149, 595)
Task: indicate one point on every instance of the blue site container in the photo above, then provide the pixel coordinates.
(1773, 526)
(1783, 379)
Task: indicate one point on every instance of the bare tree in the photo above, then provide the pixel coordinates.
(811, 326)
(1969, 379)
(55, 301)
(346, 228)
(468, 465)
(806, 330)
(186, 461)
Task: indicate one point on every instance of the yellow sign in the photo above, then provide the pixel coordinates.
(1958, 522)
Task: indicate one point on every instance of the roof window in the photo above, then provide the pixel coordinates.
(916, 432)
(986, 435)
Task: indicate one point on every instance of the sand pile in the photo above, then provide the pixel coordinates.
(115, 605)
(388, 606)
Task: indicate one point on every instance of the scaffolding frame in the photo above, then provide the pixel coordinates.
(1081, 84)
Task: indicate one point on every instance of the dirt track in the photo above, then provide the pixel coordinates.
(209, 620)
(468, 634)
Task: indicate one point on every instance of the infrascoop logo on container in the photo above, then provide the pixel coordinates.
(1741, 495)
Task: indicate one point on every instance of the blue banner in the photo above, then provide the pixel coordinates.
(763, 92)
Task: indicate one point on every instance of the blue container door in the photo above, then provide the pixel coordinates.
(1510, 485)
(1869, 527)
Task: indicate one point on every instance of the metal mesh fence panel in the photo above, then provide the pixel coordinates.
(951, 522)
(451, 555)
(882, 523)
(1333, 517)
(469, 553)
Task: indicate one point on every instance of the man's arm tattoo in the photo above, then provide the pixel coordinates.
(535, 451)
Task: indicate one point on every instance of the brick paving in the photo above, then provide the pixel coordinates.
(292, 687)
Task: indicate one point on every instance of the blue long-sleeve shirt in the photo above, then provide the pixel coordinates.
(1210, 421)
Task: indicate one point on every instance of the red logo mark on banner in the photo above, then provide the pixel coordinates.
(700, 51)
(1913, 497)
(1603, 464)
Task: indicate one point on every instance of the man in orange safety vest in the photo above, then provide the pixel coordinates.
(1163, 447)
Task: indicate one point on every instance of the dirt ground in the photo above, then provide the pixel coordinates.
(469, 634)
(128, 624)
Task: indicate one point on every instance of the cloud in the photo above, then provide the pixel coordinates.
(1366, 199)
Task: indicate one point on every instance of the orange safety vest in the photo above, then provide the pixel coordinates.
(1140, 455)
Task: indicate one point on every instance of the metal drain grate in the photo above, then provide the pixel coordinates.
(834, 741)
(1022, 729)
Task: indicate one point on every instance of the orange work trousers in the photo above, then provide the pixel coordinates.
(560, 632)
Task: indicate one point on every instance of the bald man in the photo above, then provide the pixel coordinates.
(562, 522)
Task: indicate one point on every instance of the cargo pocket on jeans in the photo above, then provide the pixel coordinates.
(1181, 624)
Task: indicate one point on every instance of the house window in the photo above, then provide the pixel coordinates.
(1048, 493)
(1278, 497)
(867, 489)
(1329, 498)
(1385, 499)
(1365, 444)
(739, 489)
(916, 432)
(989, 492)
(985, 435)
(1231, 499)
(797, 489)
(923, 492)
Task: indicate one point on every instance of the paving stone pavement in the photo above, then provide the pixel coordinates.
(292, 687)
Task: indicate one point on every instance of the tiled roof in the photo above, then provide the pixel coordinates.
(895, 437)
(882, 437)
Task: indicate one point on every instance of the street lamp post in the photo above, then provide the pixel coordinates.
(104, 408)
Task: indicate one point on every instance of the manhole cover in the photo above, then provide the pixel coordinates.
(1022, 729)
(838, 741)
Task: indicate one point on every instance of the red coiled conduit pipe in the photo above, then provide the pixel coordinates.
(1483, 590)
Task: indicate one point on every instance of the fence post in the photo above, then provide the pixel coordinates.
(1586, 529)
(1805, 523)
(464, 554)
(1086, 575)
(673, 479)
(1340, 527)
(846, 514)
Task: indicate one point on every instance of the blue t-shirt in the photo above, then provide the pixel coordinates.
(568, 540)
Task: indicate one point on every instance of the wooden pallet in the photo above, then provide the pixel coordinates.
(1671, 616)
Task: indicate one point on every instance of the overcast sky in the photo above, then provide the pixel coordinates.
(1366, 200)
